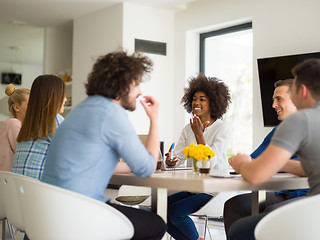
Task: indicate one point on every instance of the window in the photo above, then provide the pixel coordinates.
(227, 54)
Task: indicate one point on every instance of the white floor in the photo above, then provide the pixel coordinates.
(216, 229)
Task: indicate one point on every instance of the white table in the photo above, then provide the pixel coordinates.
(185, 180)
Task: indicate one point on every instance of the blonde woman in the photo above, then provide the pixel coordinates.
(9, 128)
(47, 98)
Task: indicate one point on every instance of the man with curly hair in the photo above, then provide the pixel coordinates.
(85, 152)
(207, 99)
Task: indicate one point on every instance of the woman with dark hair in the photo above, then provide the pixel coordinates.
(9, 128)
(207, 99)
(46, 101)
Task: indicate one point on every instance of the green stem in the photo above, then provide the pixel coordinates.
(196, 168)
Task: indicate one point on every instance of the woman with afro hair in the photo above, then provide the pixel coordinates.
(207, 98)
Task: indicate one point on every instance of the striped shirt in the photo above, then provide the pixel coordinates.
(30, 155)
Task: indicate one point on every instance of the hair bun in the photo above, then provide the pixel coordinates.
(10, 89)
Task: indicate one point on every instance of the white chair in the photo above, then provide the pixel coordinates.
(11, 202)
(295, 221)
(53, 213)
(3, 215)
(213, 208)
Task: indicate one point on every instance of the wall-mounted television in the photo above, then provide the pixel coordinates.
(270, 70)
(14, 78)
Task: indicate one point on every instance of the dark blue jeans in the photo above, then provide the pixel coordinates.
(180, 206)
(243, 229)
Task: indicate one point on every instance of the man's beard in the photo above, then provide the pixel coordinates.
(130, 106)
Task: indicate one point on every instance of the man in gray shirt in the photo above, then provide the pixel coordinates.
(299, 133)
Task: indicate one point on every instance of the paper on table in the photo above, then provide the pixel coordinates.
(220, 173)
(284, 175)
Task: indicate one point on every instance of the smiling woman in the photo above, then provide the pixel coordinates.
(208, 99)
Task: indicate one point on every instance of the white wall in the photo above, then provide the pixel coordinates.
(279, 28)
(94, 35)
(57, 49)
(28, 72)
(153, 24)
(108, 30)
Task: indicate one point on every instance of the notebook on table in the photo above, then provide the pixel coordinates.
(164, 166)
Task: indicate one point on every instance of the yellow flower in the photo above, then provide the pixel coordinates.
(186, 151)
(198, 152)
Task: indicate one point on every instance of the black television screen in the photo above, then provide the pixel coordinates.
(14, 78)
(271, 70)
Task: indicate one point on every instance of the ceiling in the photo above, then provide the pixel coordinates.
(22, 22)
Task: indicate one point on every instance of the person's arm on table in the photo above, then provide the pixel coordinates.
(264, 167)
(151, 107)
(295, 168)
(122, 168)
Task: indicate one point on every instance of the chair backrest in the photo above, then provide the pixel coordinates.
(294, 221)
(2, 194)
(128, 190)
(54, 213)
(214, 208)
(144, 139)
(11, 202)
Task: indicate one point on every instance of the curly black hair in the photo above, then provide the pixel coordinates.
(216, 90)
(113, 74)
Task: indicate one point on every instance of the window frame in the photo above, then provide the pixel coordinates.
(204, 36)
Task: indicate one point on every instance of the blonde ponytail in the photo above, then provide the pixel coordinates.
(16, 96)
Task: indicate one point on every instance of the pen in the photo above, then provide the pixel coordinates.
(172, 150)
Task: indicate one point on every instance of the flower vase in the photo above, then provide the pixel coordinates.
(195, 167)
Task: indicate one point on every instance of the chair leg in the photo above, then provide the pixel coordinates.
(209, 232)
(205, 227)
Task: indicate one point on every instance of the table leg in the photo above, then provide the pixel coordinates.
(159, 202)
(3, 235)
(258, 197)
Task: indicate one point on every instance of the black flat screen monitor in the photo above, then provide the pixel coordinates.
(271, 70)
(14, 78)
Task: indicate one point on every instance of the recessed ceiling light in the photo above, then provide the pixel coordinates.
(15, 48)
(17, 22)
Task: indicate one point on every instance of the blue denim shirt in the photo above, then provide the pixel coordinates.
(86, 148)
(261, 148)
